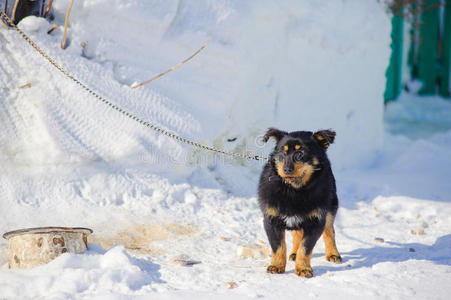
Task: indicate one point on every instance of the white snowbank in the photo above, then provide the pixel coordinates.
(289, 65)
(113, 270)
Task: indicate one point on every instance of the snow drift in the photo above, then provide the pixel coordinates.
(282, 64)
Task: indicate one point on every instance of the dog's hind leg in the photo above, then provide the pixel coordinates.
(276, 237)
(332, 253)
(297, 239)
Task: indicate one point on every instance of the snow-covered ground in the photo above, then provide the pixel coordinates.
(67, 160)
(403, 198)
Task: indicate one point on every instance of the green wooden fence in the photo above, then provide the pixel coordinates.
(429, 50)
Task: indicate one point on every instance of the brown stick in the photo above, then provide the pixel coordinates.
(52, 29)
(173, 68)
(14, 11)
(63, 44)
(47, 10)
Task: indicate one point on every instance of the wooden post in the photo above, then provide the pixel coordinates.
(13, 14)
(63, 43)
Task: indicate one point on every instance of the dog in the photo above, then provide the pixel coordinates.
(297, 192)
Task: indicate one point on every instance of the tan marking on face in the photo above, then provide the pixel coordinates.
(315, 161)
(329, 237)
(301, 174)
(307, 171)
(297, 147)
(285, 148)
(272, 212)
(279, 167)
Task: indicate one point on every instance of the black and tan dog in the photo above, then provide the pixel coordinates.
(297, 192)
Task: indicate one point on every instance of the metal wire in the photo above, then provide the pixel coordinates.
(122, 111)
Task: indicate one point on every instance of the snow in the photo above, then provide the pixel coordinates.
(264, 59)
(68, 160)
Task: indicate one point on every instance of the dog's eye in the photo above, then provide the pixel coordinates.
(297, 156)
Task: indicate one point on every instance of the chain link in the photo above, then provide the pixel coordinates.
(122, 111)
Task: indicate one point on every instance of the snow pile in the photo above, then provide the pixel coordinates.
(289, 65)
(113, 270)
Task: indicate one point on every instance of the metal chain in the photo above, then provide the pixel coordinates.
(122, 111)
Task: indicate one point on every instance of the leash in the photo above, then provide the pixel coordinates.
(122, 111)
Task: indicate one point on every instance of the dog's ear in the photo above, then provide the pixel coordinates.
(274, 133)
(324, 138)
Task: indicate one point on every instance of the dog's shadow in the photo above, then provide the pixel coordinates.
(438, 253)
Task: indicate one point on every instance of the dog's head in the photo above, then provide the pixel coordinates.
(298, 155)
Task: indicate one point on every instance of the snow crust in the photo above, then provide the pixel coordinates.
(68, 160)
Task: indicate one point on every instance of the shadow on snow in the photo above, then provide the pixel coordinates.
(438, 253)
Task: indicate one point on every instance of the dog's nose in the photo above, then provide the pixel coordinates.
(287, 169)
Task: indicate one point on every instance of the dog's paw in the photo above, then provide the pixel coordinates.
(292, 256)
(306, 272)
(275, 269)
(334, 258)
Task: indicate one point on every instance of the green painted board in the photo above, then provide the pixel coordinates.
(445, 59)
(393, 74)
(428, 70)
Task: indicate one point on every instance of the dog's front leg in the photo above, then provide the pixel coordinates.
(276, 237)
(297, 235)
(304, 253)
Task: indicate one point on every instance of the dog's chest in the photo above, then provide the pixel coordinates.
(296, 217)
(292, 221)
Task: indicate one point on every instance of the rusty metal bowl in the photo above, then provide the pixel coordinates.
(32, 247)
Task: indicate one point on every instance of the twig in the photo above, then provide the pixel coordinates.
(52, 29)
(25, 85)
(63, 44)
(47, 10)
(173, 68)
(14, 11)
